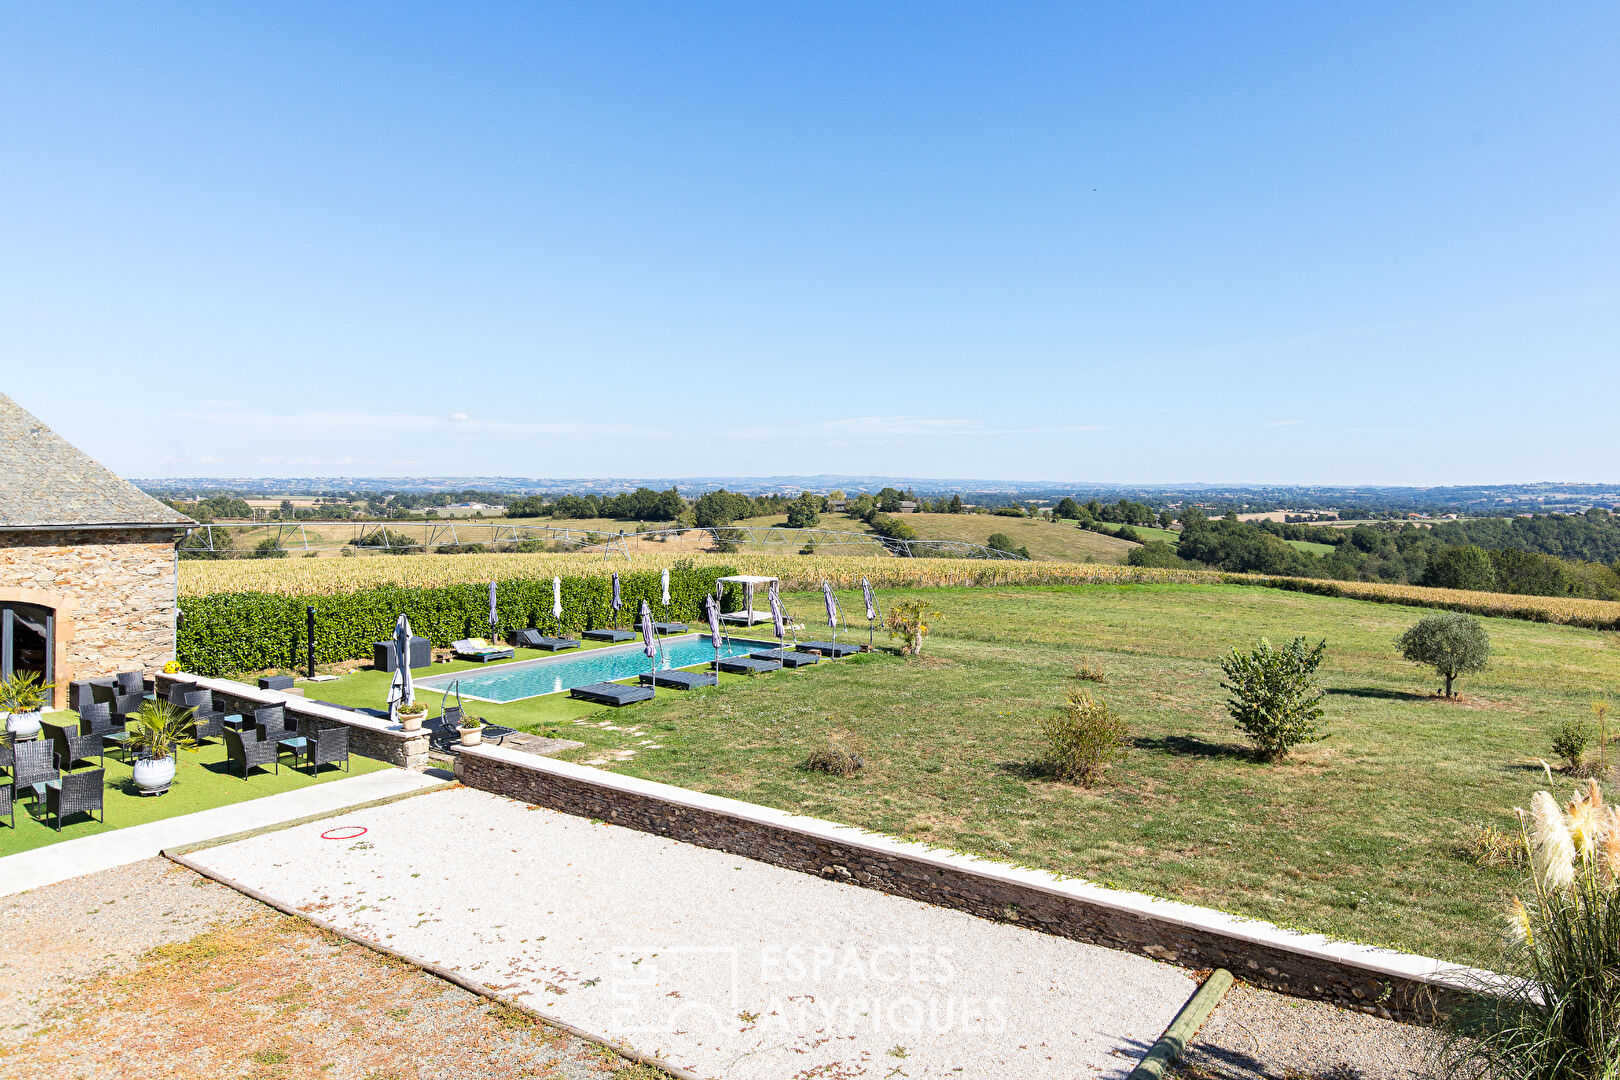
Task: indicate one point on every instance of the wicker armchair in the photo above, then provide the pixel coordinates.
(97, 718)
(34, 767)
(330, 746)
(76, 793)
(270, 716)
(179, 690)
(8, 756)
(250, 753)
(123, 706)
(7, 807)
(208, 722)
(132, 682)
(71, 745)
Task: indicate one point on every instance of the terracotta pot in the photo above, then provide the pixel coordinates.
(412, 721)
(471, 736)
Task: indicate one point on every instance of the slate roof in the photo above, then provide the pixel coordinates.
(46, 480)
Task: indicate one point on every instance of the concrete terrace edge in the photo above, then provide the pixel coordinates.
(1372, 979)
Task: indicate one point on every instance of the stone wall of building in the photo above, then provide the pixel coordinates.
(113, 592)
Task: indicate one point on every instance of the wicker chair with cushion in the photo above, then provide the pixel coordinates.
(76, 793)
(250, 753)
(71, 745)
(35, 766)
(330, 746)
(7, 807)
(209, 722)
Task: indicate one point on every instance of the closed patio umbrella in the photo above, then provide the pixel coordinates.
(617, 603)
(832, 608)
(871, 610)
(400, 690)
(665, 582)
(777, 622)
(494, 619)
(556, 603)
(649, 641)
(712, 609)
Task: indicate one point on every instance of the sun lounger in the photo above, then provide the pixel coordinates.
(480, 650)
(669, 628)
(609, 635)
(787, 657)
(534, 639)
(607, 693)
(827, 648)
(682, 680)
(743, 665)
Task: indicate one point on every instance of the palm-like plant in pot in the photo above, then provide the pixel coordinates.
(22, 696)
(158, 730)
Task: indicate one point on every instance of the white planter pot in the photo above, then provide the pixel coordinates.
(23, 725)
(153, 774)
(411, 721)
(471, 736)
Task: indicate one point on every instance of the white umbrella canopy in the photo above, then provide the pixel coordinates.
(665, 581)
(556, 601)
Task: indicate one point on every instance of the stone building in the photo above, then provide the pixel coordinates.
(87, 562)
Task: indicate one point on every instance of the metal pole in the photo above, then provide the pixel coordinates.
(309, 627)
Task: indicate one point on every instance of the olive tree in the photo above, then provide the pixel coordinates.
(1275, 697)
(1450, 642)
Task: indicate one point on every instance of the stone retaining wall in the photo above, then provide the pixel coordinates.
(1380, 981)
(369, 736)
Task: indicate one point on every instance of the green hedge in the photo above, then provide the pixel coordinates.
(224, 633)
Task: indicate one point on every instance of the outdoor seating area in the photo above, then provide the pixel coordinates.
(479, 650)
(77, 777)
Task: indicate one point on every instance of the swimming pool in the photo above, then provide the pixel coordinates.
(554, 674)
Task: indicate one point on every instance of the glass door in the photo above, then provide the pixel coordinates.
(25, 640)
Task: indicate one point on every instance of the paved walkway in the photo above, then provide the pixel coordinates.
(120, 847)
(718, 964)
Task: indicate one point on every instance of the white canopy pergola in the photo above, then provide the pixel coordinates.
(751, 584)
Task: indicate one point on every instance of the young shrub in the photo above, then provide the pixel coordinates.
(907, 620)
(1083, 738)
(1571, 743)
(1450, 642)
(1489, 846)
(1557, 1015)
(1086, 671)
(1275, 697)
(835, 759)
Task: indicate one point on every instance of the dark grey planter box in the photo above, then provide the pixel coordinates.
(383, 659)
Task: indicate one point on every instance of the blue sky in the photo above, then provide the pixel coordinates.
(1368, 243)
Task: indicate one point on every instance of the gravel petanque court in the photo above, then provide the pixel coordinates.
(717, 964)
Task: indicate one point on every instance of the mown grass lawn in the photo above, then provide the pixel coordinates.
(1363, 835)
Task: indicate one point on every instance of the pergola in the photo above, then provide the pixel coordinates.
(747, 616)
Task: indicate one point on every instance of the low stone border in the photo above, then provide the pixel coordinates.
(1384, 982)
(369, 736)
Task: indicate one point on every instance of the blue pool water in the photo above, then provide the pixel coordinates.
(550, 675)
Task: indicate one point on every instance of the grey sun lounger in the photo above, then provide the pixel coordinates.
(682, 680)
(827, 648)
(609, 693)
(609, 635)
(786, 657)
(534, 639)
(669, 628)
(743, 665)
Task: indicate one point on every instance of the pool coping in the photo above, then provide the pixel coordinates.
(542, 661)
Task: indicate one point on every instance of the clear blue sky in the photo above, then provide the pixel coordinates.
(1301, 242)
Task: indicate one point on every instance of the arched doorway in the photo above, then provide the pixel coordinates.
(27, 640)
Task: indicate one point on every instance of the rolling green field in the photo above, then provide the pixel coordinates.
(1363, 835)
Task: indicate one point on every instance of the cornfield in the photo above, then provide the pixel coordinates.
(325, 577)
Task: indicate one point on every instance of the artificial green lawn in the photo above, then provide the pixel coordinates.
(201, 783)
(1363, 835)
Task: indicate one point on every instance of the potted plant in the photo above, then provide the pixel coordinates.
(412, 714)
(470, 730)
(22, 696)
(157, 730)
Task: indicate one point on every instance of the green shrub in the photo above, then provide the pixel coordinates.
(1275, 697)
(1083, 737)
(1571, 743)
(1450, 642)
(224, 633)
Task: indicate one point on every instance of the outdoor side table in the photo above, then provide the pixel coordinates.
(235, 721)
(297, 745)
